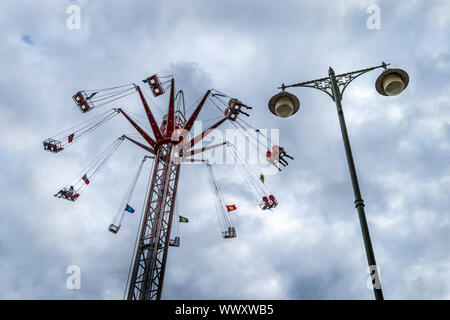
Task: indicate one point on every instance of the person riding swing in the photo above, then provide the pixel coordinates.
(70, 192)
(281, 153)
(67, 194)
(235, 105)
(272, 159)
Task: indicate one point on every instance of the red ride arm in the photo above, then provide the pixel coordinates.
(152, 120)
(152, 151)
(171, 115)
(142, 132)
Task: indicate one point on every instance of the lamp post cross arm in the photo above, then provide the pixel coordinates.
(325, 84)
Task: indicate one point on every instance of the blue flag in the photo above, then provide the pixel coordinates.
(129, 209)
(91, 96)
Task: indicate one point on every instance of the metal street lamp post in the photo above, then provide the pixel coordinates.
(390, 83)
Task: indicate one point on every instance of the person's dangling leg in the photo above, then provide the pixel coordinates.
(274, 164)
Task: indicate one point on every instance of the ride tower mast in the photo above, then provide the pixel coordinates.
(169, 147)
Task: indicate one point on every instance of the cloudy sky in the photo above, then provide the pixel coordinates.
(310, 246)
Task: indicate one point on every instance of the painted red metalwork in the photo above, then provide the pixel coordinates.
(163, 268)
(151, 256)
(153, 124)
(149, 265)
(171, 113)
(141, 145)
(193, 152)
(142, 132)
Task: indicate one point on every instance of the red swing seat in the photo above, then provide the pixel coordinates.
(155, 85)
(82, 102)
(52, 145)
(70, 197)
(268, 202)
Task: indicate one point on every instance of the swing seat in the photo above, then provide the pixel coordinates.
(265, 204)
(229, 234)
(84, 107)
(268, 203)
(276, 149)
(81, 102)
(274, 202)
(234, 108)
(155, 85)
(52, 145)
(272, 157)
(113, 228)
(231, 114)
(174, 242)
(70, 197)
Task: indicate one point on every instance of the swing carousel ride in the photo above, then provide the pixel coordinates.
(169, 146)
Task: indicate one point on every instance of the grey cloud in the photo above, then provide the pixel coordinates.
(310, 247)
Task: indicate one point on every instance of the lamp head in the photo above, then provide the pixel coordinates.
(392, 82)
(284, 104)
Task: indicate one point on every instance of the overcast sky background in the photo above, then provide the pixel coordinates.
(310, 247)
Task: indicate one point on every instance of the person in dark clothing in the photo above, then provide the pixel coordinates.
(61, 193)
(281, 153)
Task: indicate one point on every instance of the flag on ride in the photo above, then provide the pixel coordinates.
(70, 138)
(231, 207)
(85, 179)
(261, 177)
(129, 208)
(218, 94)
(91, 96)
(183, 219)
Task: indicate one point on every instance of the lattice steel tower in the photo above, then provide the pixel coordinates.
(170, 148)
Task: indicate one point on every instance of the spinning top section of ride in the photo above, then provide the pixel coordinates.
(168, 143)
